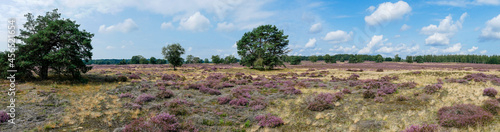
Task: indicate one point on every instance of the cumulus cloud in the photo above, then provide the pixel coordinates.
(376, 39)
(311, 43)
(454, 48)
(483, 52)
(196, 22)
(189, 49)
(492, 30)
(225, 27)
(343, 49)
(166, 25)
(370, 9)
(474, 48)
(316, 28)
(387, 12)
(124, 27)
(404, 27)
(441, 34)
(338, 36)
(464, 3)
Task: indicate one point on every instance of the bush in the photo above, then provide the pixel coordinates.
(165, 94)
(269, 120)
(144, 98)
(210, 91)
(463, 115)
(4, 117)
(490, 92)
(430, 89)
(346, 91)
(239, 102)
(164, 122)
(323, 101)
(134, 76)
(380, 70)
(353, 77)
(492, 106)
(258, 104)
(290, 90)
(126, 95)
(122, 78)
(422, 128)
(379, 99)
(369, 94)
(409, 85)
(178, 106)
(223, 100)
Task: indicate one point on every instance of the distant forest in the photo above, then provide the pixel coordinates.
(350, 58)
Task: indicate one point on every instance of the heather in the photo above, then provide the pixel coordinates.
(463, 115)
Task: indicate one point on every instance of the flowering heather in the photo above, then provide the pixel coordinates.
(463, 115)
(379, 99)
(168, 77)
(239, 102)
(429, 89)
(322, 101)
(165, 94)
(402, 98)
(302, 84)
(388, 89)
(417, 72)
(440, 81)
(479, 77)
(353, 77)
(258, 104)
(388, 78)
(4, 117)
(223, 100)
(132, 106)
(492, 106)
(178, 106)
(322, 85)
(134, 76)
(122, 78)
(144, 98)
(355, 83)
(210, 91)
(269, 120)
(422, 128)
(164, 122)
(126, 95)
(409, 85)
(490, 92)
(369, 94)
(290, 90)
(346, 91)
(241, 92)
(137, 125)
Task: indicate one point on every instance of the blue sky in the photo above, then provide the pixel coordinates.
(124, 28)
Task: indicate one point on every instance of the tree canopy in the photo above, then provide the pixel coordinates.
(173, 54)
(265, 44)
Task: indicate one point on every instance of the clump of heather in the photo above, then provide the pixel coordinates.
(479, 77)
(137, 125)
(165, 94)
(355, 83)
(144, 98)
(290, 90)
(490, 92)
(380, 70)
(178, 106)
(422, 128)
(269, 120)
(429, 89)
(258, 104)
(242, 92)
(4, 117)
(239, 102)
(223, 100)
(126, 95)
(164, 122)
(168, 77)
(134, 76)
(492, 106)
(463, 115)
(388, 89)
(132, 106)
(409, 85)
(346, 91)
(323, 101)
(440, 81)
(417, 72)
(122, 78)
(353, 77)
(210, 91)
(379, 99)
(402, 98)
(369, 94)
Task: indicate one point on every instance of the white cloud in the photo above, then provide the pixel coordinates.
(441, 34)
(454, 48)
(311, 43)
(464, 3)
(397, 36)
(483, 52)
(376, 39)
(338, 36)
(437, 39)
(109, 47)
(492, 30)
(474, 48)
(234, 45)
(388, 11)
(225, 27)
(316, 28)
(189, 49)
(404, 27)
(124, 27)
(488, 2)
(196, 22)
(370, 9)
(168, 25)
(343, 49)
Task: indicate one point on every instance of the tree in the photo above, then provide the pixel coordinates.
(216, 59)
(397, 58)
(327, 58)
(136, 59)
(173, 54)
(122, 62)
(313, 58)
(153, 60)
(388, 59)
(189, 59)
(52, 42)
(206, 60)
(230, 59)
(419, 59)
(161, 61)
(197, 60)
(295, 60)
(265, 42)
(379, 59)
(353, 59)
(143, 61)
(409, 59)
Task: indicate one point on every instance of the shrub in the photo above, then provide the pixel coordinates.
(290, 90)
(178, 106)
(269, 120)
(379, 99)
(122, 78)
(322, 101)
(346, 91)
(241, 92)
(463, 115)
(429, 89)
(369, 94)
(239, 102)
(4, 117)
(258, 104)
(164, 122)
(144, 98)
(492, 105)
(137, 125)
(134, 76)
(165, 94)
(422, 128)
(126, 95)
(210, 91)
(353, 77)
(132, 106)
(409, 85)
(223, 100)
(490, 92)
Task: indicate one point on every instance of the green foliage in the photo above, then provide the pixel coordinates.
(259, 63)
(397, 58)
(206, 60)
(173, 54)
(122, 62)
(197, 60)
(216, 59)
(409, 59)
(295, 60)
(266, 42)
(388, 59)
(327, 58)
(379, 59)
(313, 58)
(230, 59)
(143, 61)
(136, 59)
(152, 60)
(189, 59)
(52, 42)
(419, 59)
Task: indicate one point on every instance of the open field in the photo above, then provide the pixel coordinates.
(208, 97)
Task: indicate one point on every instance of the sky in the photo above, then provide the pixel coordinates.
(124, 28)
